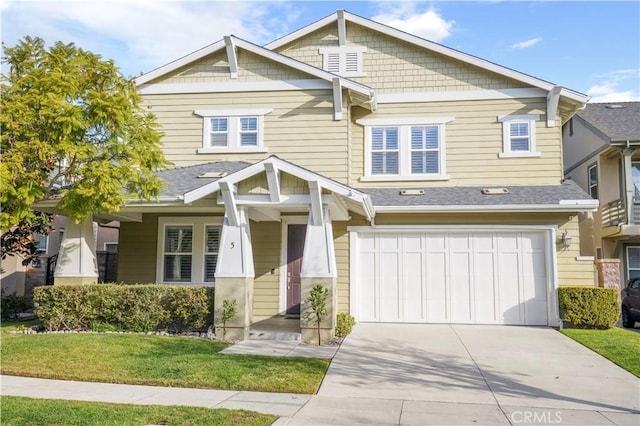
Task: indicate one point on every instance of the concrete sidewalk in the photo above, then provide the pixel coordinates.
(281, 404)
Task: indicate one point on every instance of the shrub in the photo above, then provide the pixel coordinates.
(12, 305)
(589, 307)
(124, 307)
(344, 324)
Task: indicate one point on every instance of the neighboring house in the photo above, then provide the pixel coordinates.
(602, 155)
(20, 280)
(416, 182)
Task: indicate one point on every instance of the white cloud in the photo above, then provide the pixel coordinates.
(617, 86)
(141, 34)
(526, 44)
(403, 16)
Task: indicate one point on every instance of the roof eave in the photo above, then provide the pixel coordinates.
(570, 206)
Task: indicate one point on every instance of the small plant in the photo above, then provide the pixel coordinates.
(229, 310)
(344, 324)
(317, 302)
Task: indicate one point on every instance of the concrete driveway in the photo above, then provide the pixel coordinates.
(470, 374)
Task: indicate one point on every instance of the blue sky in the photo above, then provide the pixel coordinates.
(592, 47)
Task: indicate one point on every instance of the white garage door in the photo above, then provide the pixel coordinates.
(473, 277)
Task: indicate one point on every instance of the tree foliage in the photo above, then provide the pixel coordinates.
(72, 128)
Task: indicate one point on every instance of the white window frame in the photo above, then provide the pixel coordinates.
(113, 243)
(506, 121)
(342, 52)
(198, 225)
(233, 129)
(628, 267)
(404, 126)
(591, 184)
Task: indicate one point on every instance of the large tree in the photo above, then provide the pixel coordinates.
(71, 127)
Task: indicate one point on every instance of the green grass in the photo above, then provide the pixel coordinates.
(154, 360)
(618, 345)
(27, 411)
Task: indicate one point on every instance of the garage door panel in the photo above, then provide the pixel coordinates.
(462, 277)
(436, 280)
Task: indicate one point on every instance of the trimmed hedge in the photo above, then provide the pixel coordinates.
(344, 324)
(589, 307)
(119, 307)
(12, 305)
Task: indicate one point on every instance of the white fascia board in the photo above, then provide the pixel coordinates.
(185, 60)
(232, 112)
(448, 228)
(236, 86)
(514, 208)
(435, 47)
(301, 66)
(460, 95)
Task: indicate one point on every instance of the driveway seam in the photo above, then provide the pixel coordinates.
(481, 373)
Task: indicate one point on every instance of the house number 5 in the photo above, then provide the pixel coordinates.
(233, 244)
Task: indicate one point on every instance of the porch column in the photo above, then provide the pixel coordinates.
(628, 184)
(234, 274)
(318, 267)
(77, 257)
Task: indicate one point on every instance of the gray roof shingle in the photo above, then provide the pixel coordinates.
(473, 196)
(180, 180)
(617, 123)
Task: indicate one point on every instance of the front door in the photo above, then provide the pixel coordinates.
(295, 247)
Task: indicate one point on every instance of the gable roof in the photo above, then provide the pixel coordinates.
(617, 121)
(260, 51)
(430, 45)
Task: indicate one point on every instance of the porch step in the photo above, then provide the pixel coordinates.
(271, 335)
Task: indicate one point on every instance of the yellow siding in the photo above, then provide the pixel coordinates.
(300, 129)
(215, 69)
(393, 66)
(137, 250)
(473, 141)
(266, 239)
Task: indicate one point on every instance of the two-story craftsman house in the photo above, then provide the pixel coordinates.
(416, 182)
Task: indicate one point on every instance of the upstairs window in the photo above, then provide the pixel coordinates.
(519, 135)
(344, 60)
(405, 149)
(592, 172)
(41, 243)
(232, 130)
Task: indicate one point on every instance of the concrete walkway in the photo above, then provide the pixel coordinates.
(418, 374)
(281, 348)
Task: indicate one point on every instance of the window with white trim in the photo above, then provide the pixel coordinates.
(232, 130)
(343, 60)
(519, 135)
(633, 262)
(188, 249)
(592, 176)
(405, 149)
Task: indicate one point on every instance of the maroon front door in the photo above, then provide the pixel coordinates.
(295, 247)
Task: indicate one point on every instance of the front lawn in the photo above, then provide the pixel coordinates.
(28, 411)
(154, 360)
(618, 345)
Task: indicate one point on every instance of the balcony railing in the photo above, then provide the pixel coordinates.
(614, 213)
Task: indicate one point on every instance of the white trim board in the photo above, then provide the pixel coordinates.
(461, 95)
(245, 86)
(561, 207)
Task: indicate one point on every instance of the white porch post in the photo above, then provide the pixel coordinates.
(77, 257)
(628, 184)
(318, 267)
(235, 274)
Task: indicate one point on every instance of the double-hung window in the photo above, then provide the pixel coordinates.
(232, 130)
(188, 249)
(593, 180)
(405, 149)
(519, 135)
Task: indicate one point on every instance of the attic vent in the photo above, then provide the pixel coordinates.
(213, 175)
(495, 191)
(614, 106)
(412, 192)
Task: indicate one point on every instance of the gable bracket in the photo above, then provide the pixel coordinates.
(553, 99)
(342, 28)
(230, 205)
(232, 56)
(337, 99)
(315, 192)
(273, 179)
